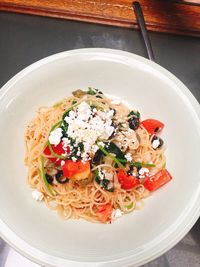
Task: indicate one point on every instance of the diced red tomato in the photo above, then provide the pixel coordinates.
(57, 149)
(152, 126)
(156, 181)
(76, 170)
(126, 181)
(104, 213)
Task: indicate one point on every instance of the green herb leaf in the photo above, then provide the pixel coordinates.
(55, 155)
(91, 91)
(134, 113)
(114, 149)
(97, 157)
(104, 183)
(111, 156)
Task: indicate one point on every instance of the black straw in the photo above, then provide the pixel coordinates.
(143, 29)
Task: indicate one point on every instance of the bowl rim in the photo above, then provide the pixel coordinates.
(153, 249)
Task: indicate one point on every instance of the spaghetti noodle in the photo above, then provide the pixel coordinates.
(91, 157)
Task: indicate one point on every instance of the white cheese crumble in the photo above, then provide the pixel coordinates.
(86, 127)
(101, 175)
(155, 143)
(128, 156)
(143, 171)
(37, 195)
(55, 136)
(115, 102)
(116, 214)
(74, 159)
(62, 162)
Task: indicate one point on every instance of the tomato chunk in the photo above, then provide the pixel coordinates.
(156, 181)
(57, 149)
(104, 213)
(152, 126)
(76, 170)
(126, 181)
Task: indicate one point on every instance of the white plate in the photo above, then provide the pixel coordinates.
(167, 215)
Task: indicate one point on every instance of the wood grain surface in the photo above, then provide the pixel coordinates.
(179, 17)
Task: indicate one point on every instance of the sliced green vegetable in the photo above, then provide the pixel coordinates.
(66, 113)
(55, 155)
(43, 175)
(91, 91)
(129, 206)
(56, 125)
(111, 156)
(141, 164)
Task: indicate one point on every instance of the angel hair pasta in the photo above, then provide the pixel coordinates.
(92, 157)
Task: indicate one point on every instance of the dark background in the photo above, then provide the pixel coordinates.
(25, 39)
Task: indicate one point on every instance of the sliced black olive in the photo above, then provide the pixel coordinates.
(60, 178)
(161, 142)
(49, 178)
(134, 123)
(97, 157)
(129, 173)
(114, 113)
(98, 96)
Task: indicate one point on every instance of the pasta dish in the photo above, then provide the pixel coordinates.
(92, 157)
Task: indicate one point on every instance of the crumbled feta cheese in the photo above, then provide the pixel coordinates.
(86, 127)
(74, 159)
(101, 175)
(78, 153)
(155, 143)
(141, 176)
(95, 148)
(128, 156)
(115, 102)
(62, 162)
(143, 171)
(37, 195)
(55, 136)
(101, 144)
(116, 214)
(66, 141)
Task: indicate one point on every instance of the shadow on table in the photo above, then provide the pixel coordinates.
(195, 232)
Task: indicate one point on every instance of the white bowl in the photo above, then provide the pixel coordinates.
(137, 238)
